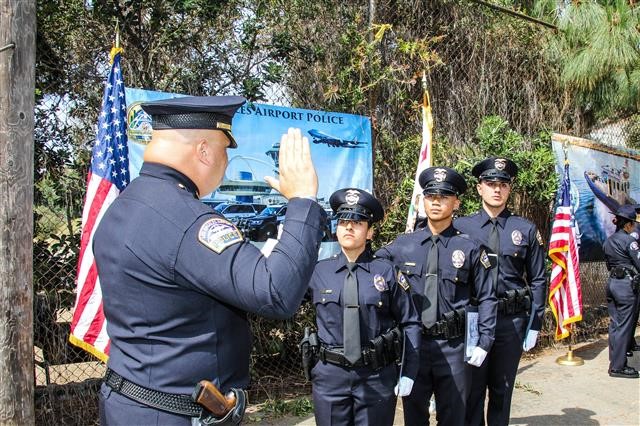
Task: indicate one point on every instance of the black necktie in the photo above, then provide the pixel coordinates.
(494, 245)
(351, 318)
(430, 302)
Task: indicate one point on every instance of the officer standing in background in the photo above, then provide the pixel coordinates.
(622, 254)
(520, 285)
(177, 278)
(633, 345)
(448, 272)
(363, 310)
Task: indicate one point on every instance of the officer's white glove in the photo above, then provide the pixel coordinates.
(404, 386)
(477, 356)
(530, 340)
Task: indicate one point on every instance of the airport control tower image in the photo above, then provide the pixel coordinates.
(244, 186)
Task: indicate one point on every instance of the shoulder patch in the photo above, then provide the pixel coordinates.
(484, 259)
(539, 238)
(402, 280)
(218, 234)
(634, 245)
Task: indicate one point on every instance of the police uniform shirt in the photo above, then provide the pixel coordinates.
(384, 302)
(177, 279)
(463, 272)
(621, 249)
(521, 257)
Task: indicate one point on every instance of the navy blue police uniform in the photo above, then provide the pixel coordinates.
(463, 279)
(633, 345)
(622, 253)
(177, 280)
(521, 290)
(361, 393)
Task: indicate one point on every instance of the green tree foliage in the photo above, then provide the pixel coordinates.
(598, 50)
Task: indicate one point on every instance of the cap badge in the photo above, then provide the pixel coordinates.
(457, 258)
(379, 283)
(500, 163)
(516, 237)
(439, 175)
(352, 196)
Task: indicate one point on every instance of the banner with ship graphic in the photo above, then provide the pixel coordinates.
(340, 148)
(603, 177)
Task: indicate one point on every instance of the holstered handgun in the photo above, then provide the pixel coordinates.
(309, 347)
(219, 409)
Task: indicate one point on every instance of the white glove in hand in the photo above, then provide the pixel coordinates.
(477, 356)
(404, 386)
(530, 340)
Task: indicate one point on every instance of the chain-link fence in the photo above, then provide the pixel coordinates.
(67, 379)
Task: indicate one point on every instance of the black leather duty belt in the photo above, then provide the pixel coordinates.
(336, 356)
(170, 402)
(514, 302)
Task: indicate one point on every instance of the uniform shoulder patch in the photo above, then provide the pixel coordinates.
(484, 259)
(539, 238)
(634, 245)
(402, 281)
(218, 234)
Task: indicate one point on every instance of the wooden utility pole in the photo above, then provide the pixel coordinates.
(17, 88)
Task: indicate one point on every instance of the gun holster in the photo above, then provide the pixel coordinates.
(233, 417)
(309, 348)
(635, 283)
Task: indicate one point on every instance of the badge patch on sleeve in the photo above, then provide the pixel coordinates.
(402, 280)
(539, 238)
(218, 234)
(634, 245)
(484, 259)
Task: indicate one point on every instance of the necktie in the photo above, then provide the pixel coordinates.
(351, 318)
(494, 245)
(430, 303)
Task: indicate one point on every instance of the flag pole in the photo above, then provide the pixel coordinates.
(569, 359)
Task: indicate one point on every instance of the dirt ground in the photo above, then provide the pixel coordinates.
(547, 393)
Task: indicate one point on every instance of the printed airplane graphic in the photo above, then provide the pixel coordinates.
(320, 137)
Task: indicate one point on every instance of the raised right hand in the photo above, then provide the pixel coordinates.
(298, 176)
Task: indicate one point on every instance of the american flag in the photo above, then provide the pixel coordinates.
(565, 293)
(108, 176)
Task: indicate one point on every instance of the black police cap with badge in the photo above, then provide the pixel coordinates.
(442, 181)
(628, 211)
(495, 169)
(356, 204)
(195, 112)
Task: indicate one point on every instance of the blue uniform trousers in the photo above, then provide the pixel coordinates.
(497, 374)
(621, 304)
(632, 339)
(353, 396)
(444, 373)
(116, 410)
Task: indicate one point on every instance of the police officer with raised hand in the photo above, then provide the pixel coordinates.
(448, 273)
(520, 284)
(363, 311)
(622, 254)
(177, 278)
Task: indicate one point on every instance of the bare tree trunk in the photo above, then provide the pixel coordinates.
(17, 87)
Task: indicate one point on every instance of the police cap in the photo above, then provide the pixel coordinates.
(356, 204)
(442, 180)
(628, 211)
(195, 112)
(496, 169)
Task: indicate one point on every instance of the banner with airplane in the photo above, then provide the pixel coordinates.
(340, 147)
(602, 178)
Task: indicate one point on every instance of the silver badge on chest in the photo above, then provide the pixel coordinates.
(352, 197)
(457, 258)
(380, 283)
(516, 237)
